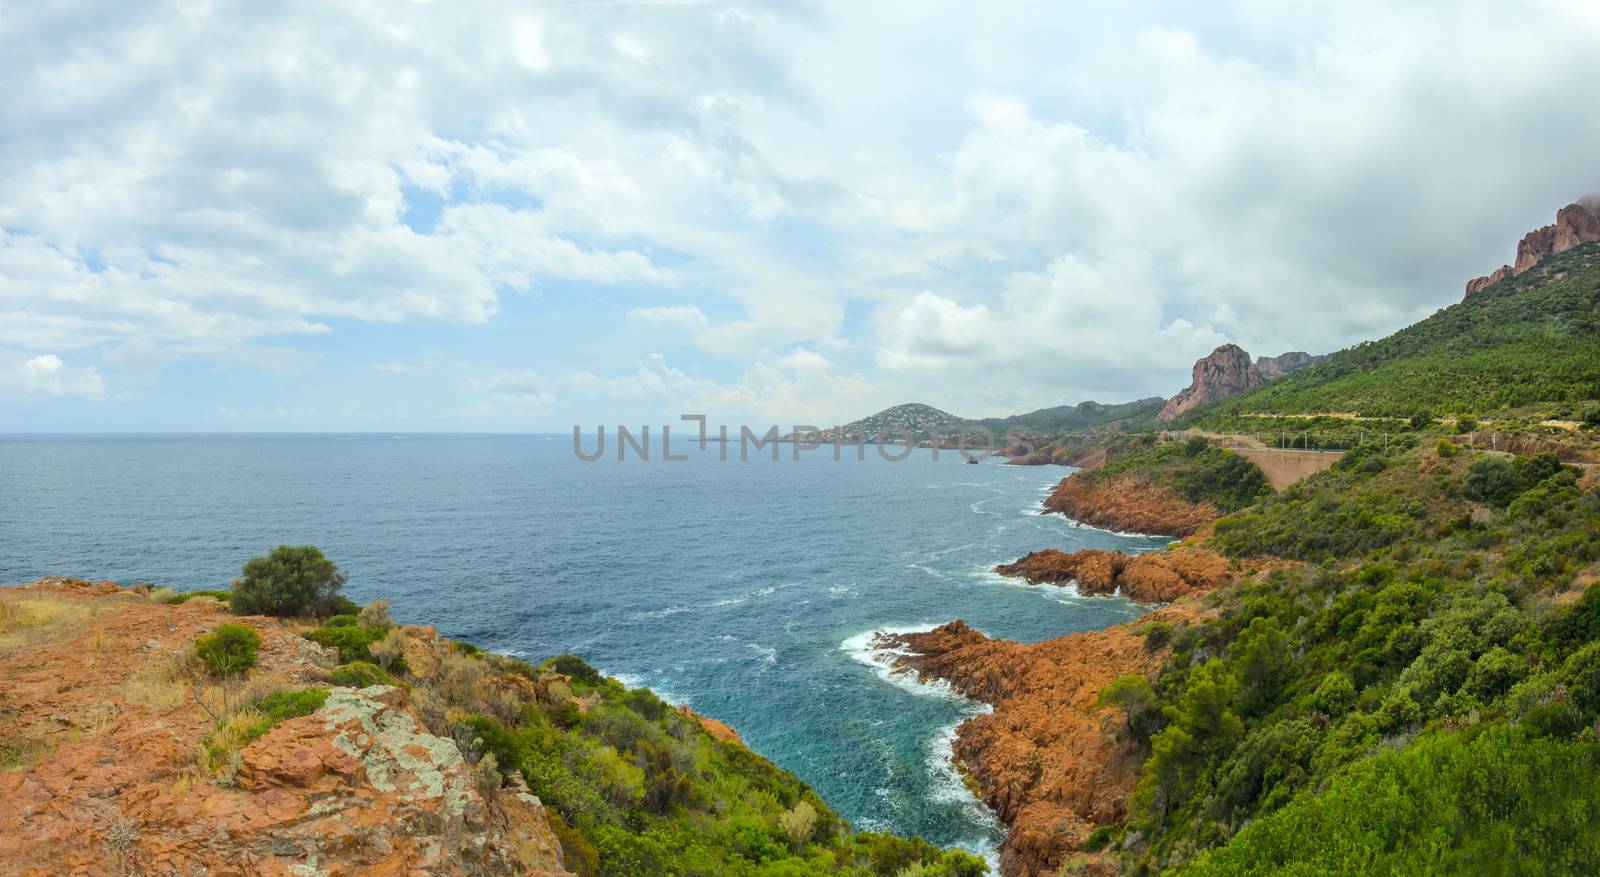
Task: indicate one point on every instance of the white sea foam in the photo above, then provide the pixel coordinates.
(768, 654)
(948, 787)
(881, 660)
(658, 613)
(745, 598)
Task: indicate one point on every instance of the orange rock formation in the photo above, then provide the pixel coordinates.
(1156, 577)
(1129, 504)
(103, 740)
(1047, 760)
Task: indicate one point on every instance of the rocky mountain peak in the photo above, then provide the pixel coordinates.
(1222, 373)
(1577, 223)
(1280, 365)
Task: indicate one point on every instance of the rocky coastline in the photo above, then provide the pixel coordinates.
(1155, 577)
(1051, 763)
(1129, 504)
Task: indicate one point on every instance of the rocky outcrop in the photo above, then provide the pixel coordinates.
(1049, 762)
(100, 730)
(1273, 367)
(1154, 577)
(717, 729)
(1575, 224)
(1129, 504)
(1222, 373)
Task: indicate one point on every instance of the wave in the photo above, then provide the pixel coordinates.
(881, 660)
(949, 787)
(745, 598)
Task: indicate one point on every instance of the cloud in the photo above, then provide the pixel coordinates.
(48, 375)
(830, 221)
(805, 361)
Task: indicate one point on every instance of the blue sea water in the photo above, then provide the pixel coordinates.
(747, 589)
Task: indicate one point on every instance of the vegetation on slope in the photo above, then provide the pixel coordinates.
(1437, 624)
(642, 789)
(1083, 417)
(1195, 470)
(1534, 338)
(632, 785)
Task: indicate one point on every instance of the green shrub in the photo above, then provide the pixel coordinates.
(186, 596)
(1591, 416)
(1466, 425)
(1447, 448)
(1156, 635)
(352, 642)
(289, 580)
(340, 621)
(228, 650)
(360, 674)
(577, 668)
(1100, 838)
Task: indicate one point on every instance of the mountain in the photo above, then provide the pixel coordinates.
(1273, 367)
(912, 421)
(1531, 337)
(1084, 416)
(1218, 375)
(1228, 371)
(1576, 224)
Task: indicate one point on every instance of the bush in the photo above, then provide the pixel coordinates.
(290, 580)
(360, 674)
(577, 668)
(341, 621)
(376, 614)
(1466, 424)
(390, 650)
(1447, 448)
(352, 642)
(228, 650)
(185, 597)
(1156, 635)
(1591, 416)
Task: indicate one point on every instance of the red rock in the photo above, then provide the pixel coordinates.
(1155, 577)
(1575, 224)
(1129, 504)
(1049, 762)
(1218, 375)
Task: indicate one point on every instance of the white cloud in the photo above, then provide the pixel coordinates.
(805, 361)
(198, 180)
(48, 375)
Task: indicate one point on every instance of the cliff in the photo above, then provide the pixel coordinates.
(1051, 764)
(1218, 375)
(1575, 224)
(1129, 504)
(1273, 367)
(109, 749)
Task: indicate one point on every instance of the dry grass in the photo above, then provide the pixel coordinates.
(31, 620)
(160, 686)
(20, 753)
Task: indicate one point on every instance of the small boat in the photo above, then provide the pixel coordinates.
(972, 461)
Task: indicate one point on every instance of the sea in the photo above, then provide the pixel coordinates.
(746, 589)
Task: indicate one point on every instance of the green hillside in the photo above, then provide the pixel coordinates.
(1085, 416)
(1529, 339)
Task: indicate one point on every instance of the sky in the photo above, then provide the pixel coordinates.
(484, 217)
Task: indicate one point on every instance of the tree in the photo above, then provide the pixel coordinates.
(290, 580)
(1137, 700)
